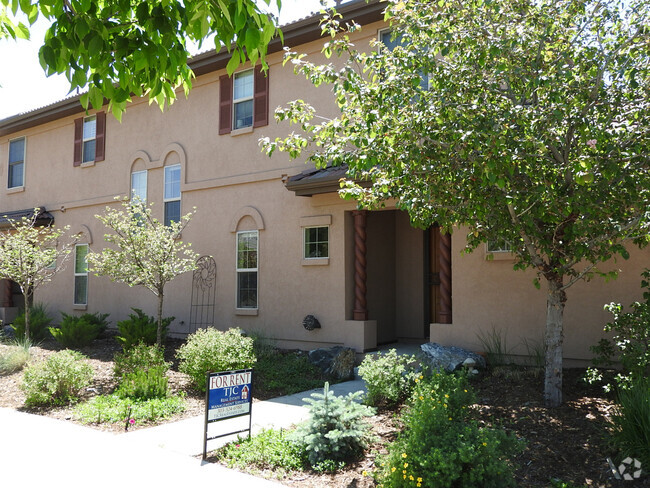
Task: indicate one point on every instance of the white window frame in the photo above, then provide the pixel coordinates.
(146, 178)
(172, 199)
(78, 274)
(304, 241)
(11, 164)
(236, 101)
(498, 247)
(88, 139)
(247, 270)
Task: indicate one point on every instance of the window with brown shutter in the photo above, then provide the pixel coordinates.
(89, 139)
(235, 101)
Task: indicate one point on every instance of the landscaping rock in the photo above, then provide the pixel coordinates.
(450, 358)
(7, 331)
(334, 361)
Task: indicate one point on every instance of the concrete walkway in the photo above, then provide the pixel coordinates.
(41, 451)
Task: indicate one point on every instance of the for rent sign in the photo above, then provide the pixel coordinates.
(229, 394)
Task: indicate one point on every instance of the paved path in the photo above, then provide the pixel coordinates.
(41, 451)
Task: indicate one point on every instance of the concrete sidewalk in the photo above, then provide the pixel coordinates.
(40, 451)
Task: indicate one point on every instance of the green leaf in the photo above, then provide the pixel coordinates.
(233, 63)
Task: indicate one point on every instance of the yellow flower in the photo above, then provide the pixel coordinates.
(403, 454)
(421, 398)
(419, 484)
(392, 470)
(365, 473)
(485, 444)
(465, 391)
(446, 396)
(404, 471)
(404, 476)
(419, 480)
(449, 418)
(406, 465)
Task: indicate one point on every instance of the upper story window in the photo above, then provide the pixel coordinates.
(243, 100)
(391, 42)
(16, 163)
(89, 136)
(172, 194)
(139, 186)
(316, 242)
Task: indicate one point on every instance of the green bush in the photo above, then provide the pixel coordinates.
(15, 357)
(57, 380)
(630, 343)
(39, 322)
(335, 429)
(441, 446)
(631, 433)
(140, 372)
(388, 377)
(140, 327)
(269, 449)
(79, 331)
(115, 409)
(210, 350)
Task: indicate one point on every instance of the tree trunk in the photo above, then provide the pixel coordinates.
(553, 342)
(29, 303)
(160, 313)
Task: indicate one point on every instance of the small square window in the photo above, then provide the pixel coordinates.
(316, 242)
(498, 245)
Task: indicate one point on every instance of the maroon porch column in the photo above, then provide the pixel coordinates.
(7, 297)
(360, 311)
(444, 315)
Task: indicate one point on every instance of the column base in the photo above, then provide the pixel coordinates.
(360, 334)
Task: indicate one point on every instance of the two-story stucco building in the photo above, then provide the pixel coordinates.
(283, 244)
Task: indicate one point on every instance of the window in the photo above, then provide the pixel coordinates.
(80, 274)
(172, 194)
(387, 39)
(139, 186)
(247, 246)
(316, 242)
(243, 100)
(89, 136)
(16, 163)
(499, 245)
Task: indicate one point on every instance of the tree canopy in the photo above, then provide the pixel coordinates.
(120, 48)
(532, 126)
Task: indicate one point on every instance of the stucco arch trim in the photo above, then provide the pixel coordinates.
(83, 234)
(251, 212)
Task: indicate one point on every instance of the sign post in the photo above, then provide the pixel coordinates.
(228, 394)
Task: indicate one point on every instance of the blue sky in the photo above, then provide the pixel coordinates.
(24, 86)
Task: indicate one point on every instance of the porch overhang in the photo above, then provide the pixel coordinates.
(315, 181)
(41, 217)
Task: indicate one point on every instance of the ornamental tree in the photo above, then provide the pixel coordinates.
(146, 252)
(533, 128)
(31, 254)
(120, 48)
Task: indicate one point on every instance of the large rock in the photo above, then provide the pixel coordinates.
(334, 361)
(449, 358)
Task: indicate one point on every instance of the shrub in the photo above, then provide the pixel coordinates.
(388, 377)
(143, 385)
(76, 332)
(269, 449)
(140, 327)
(57, 380)
(211, 350)
(335, 430)
(15, 357)
(39, 322)
(441, 447)
(630, 343)
(115, 409)
(631, 433)
(139, 357)
(140, 372)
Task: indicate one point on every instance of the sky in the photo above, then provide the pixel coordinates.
(24, 86)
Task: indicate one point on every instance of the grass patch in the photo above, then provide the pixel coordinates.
(13, 358)
(270, 449)
(114, 409)
(279, 373)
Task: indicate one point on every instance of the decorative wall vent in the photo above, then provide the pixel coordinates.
(310, 322)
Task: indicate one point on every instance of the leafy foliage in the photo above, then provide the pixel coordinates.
(140, 327)
(79, 331)
(39, 322)
(121, 48)
(115, 409)
(140, 371)
(441, 447)
(631, 432)
(630, 343)
(147, 252)
(269, 449)
(534, 133)
(31, 254)
(388, 377)
(57, 380)
(335, 429)
(211, 350)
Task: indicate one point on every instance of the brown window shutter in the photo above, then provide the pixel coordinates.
(78, 140)
(100, 137)
(261, 100)
(225, 104)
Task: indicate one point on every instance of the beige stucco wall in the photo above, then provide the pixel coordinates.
(490, 295)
